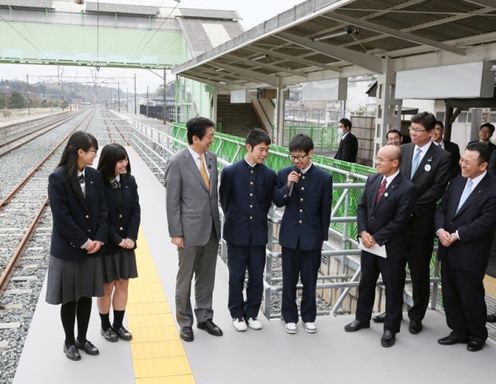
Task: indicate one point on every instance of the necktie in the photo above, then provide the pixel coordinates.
(465, 194)
(115, 183)
(203, 172)
(81, 178)
(415, 162)
(380, 192)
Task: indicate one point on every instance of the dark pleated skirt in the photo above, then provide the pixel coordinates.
(120, 265)
(70, 280)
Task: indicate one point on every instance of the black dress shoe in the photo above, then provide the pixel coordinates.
(123, 333)
(72, 352)
(186, 334)
(210, 327)
(379, 318)
(491, 318)
(388, 338)
(109, 334)
(451, 339)
(88, 347)
(356, 325)
(415, 327)
(474, 346)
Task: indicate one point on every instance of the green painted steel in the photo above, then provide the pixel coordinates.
(232, 148)
(77, 44)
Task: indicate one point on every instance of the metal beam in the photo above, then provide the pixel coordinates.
(482, 3)
(259, 64)
(259, 77)
(296, 59)
(372, 63)
(202, 80)
(394, 33)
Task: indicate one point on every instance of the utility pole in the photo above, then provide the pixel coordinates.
(135, 103)
(118, 96)
(27, 92)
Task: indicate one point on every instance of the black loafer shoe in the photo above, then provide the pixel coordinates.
(415, 327)
(186, 334)
(88, 347)
(123, 333)
(210, 327)
(72, 352)
(109, 335)
(491, 318)
(474, 346)
(388, 338)
(379, 318)
(451, 339)
(356, 325)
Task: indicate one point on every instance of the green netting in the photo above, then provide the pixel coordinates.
(232, 148)
(324, 138)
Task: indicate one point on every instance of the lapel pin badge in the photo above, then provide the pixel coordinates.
(386, 194)
(427, 167)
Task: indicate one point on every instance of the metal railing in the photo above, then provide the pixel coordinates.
(340, 269)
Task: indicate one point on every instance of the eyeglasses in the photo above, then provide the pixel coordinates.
(92, 150)
(417, 130)
(297, 158)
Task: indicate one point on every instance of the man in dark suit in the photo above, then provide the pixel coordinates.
(194, 225)
(382, 217)
(486, 131)
(245, 194)
(394, 137)
(465, 223)
(428, 167)
(348, 146)
(452, 148)
(306, 193)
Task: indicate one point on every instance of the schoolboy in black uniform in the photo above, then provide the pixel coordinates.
(246, 196)
(306, 192)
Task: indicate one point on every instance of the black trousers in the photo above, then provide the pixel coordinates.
(305, 264)
(393, 276)
(239, 259)
(464, 304)
(419, 254)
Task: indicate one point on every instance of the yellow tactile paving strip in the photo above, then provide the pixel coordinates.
(490, 286)
(158, 355)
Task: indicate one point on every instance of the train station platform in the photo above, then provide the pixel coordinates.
(157, 355)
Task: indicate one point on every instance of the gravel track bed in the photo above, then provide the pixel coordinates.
(16, 164)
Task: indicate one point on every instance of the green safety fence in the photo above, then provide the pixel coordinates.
(325, 138)
(232, 148)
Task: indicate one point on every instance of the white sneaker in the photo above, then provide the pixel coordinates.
(239, 325)
(254, 323)
(291, 328)
(310, 327)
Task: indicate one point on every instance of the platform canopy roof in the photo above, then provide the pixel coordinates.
(324, 39)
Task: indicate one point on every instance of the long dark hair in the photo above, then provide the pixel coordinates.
(69, 158)
(111, 154)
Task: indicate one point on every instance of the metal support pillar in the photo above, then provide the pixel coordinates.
(388, 112)
(135, 101)
(280, 114)
(165, 97)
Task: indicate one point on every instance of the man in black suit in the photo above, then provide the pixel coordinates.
(428, 166)
(486, 131)
(348, 146)
(465, 223)
(245, 195)
(306, 193)
(452, 148)
(382, 217)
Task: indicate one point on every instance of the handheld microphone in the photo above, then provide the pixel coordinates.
(298, 171)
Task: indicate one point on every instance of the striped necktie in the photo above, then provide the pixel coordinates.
(381, 191)
(203, 172)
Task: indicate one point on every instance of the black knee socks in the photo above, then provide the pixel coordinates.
(83, 313)
(68, 317)
(104, 318)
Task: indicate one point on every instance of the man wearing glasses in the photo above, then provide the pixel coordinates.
(428, 167)
(306, 193)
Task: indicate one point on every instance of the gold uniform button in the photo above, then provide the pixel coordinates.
(251, 182)
(301, 198)
(302, 188)
(251, 171)
(301, 210)
(300, 221)
(120, 228)
(251, 205)
(251, 217)
(89, 230)
(87, 216)
(251, 194)
(120, 216)
(303, 177)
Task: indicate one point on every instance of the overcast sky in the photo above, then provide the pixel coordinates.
(252, 12)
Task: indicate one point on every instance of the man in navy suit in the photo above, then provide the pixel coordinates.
(306, 193)
(452, 148)
(382, 214)
(428, 167)
(246, 196)
(348, 146)
(465, 223)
